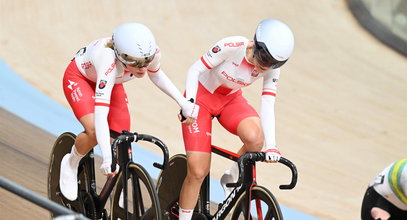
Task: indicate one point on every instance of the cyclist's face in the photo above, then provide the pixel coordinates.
(138, 72)
(258, 67)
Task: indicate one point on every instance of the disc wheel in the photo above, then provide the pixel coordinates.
(62, 146)
(169, 183)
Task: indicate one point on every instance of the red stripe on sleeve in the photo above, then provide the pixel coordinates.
(269, 93)
(205, 63)
(102, 104)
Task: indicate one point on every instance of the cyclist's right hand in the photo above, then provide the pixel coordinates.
(106, 168)
(272, 155)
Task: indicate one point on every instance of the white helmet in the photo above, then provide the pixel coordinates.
(134, 44)
(276, 39)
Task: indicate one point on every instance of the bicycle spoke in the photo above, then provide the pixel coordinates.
(263, 206)
(142, 198)
(259, 209)
(138, 206)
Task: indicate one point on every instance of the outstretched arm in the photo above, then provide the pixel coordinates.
(160, 79)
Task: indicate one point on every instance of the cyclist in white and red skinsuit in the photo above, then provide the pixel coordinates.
(93, 86)
(214, 82)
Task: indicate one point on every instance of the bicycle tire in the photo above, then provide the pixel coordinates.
(269, 205)
(143, 202)
(62, 146)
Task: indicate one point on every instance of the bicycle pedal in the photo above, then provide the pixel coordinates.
(173, 213)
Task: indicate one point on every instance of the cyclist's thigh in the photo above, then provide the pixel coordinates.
(197, 137)
(78, 91)
(119, 116)
(234, 112)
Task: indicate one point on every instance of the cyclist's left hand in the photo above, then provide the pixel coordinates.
(105, 167)
(272, 155)
(187, 121)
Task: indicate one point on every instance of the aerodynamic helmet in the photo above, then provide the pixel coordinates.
(134, 44)
(274, 43)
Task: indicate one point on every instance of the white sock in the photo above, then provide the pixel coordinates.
(234, 171)
(75, 157)
(185, 214)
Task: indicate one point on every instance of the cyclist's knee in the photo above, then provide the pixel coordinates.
(198, 164)
(251, 134)
(197, 175)
(253, 141)
(90, 135)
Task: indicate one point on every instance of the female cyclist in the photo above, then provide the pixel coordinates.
(214, 82)
(93, 86)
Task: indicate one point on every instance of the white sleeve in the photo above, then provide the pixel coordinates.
(267, 114)
(268, 120)
(106, 76)
(192, 80)
(102, 131)
(161, 80)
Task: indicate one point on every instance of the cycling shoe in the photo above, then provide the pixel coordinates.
(68, 179)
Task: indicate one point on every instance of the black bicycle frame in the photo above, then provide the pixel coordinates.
(227, 205)
(88, 165)
(247, 179)
(125, 158)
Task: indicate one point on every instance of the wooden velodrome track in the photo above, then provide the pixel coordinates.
(341, 108)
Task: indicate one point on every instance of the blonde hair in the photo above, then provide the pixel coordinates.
(109, 44)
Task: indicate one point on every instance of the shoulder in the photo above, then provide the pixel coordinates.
(233, 42)
(154, 66)
(100, 49)
(398, 169)
(228, 46)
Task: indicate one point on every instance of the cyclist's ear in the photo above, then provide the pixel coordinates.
(114, 134)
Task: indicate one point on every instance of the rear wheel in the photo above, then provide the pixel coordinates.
(169, 184)
(142, 200)
(84, 203)
(263, 206)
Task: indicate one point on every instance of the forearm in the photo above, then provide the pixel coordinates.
(268, 121)
(102, 131)
(161, 80)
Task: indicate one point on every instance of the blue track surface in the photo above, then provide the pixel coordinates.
(23, 100)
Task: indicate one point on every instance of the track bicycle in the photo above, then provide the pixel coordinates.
(134, 192)
(247, 200)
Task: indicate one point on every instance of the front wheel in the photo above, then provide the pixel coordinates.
(142, 200)
(263, 206)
